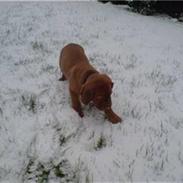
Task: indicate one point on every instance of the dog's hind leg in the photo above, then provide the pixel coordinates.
(63, 78)
(76, 105)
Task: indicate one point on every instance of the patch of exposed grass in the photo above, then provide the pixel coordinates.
(48, 68)
(29, 102)
(62, 140)
(101, 143)
(1, 111)
(36, 171)
(43, 173)
(58, 171)
(37, 46)
(43, 177)
(40, 47)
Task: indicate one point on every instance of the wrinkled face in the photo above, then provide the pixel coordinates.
(98, 91)
(102, 97)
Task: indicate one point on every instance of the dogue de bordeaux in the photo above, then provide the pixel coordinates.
(86, 84)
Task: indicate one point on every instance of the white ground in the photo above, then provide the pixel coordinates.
(38, 129)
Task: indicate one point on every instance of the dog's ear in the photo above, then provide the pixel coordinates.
(108, 79)
(86, 94)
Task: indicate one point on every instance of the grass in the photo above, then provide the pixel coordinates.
(39, 172)
(1, 111)
(40, 47)
(29, 102)
(36, 171)
(62, 140)
(43, 178)
(37, 46)
(101, 143)
(59, 172)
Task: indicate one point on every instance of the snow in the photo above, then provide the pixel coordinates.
(39, 131)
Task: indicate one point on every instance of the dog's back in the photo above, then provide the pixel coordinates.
(71, 55)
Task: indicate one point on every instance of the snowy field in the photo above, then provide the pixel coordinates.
(43, 140)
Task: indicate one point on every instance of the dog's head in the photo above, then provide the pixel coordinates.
(98, 90)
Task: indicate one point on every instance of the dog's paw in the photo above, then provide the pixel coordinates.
(112, 117)
(81, 114)
(115, 119)
(63, 78)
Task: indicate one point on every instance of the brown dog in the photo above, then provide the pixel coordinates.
(86, 84)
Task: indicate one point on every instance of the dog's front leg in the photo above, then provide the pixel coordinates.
(76, 105)
(113, 117)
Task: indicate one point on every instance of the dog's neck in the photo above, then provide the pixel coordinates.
(86, 75)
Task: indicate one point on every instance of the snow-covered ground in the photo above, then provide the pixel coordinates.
(43, 140)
